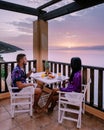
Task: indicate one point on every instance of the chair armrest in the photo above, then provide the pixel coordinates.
(35, 85)
(72, 97)
(65, 82)
(84, 85)
(61, 92)
(24, 93)
(14, 88)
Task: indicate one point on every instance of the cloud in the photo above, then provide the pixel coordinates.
(69, 35)
(24, 27)
(79, 13)
(56, 5)
(60, 19)
(23, 41)
(86, 30)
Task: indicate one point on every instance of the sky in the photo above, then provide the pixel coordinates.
(80, 30)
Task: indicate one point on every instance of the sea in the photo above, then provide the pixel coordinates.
(91, 58)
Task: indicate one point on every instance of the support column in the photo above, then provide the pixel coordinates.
(40, 42)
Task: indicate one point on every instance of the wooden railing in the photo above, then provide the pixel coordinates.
(7, 67)
(95, 95)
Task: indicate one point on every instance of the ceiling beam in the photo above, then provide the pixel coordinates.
(20, 8)
(70, 8)
(88, 2)
(49, 4)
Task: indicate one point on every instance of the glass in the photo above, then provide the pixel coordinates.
(33, 70)
(59, 74)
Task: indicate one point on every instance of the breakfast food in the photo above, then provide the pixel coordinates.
(43, 75)
(47, 73)
(51, 76)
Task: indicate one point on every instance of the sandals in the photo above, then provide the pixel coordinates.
(37, 109)
(50, 110)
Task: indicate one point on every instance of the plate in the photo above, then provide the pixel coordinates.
(50, 77)
(59, 78)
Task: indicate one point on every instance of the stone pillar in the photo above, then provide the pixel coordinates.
(40, 42)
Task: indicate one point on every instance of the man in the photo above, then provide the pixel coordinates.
(19, 80)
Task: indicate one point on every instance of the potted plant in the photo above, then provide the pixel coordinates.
(47, 67)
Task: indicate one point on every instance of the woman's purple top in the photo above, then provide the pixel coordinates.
(75, 85)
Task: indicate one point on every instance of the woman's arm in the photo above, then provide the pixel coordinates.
(75, 85)
(65, 82)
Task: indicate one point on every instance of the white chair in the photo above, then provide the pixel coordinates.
(71, 102)
(19, 99)
(85, 87)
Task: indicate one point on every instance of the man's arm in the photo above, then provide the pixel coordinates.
(29, 73)
(33, 70)
(23, 85)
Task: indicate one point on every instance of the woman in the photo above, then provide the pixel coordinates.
(74, 84)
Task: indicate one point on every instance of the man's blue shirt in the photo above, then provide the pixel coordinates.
(18, 75)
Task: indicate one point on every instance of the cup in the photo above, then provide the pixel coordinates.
(33, 70)
(59, 75)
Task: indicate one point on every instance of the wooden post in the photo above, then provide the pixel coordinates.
(100, 89)
(92, 87)
(40, 42)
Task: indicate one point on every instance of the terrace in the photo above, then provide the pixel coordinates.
(94, 110)
(94, 116)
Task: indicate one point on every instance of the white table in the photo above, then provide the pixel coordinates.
(46, 80)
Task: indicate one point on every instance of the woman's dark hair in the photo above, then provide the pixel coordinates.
(19, 57)
(75, 65)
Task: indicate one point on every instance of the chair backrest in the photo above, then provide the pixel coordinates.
(8, 81)
(86, 86)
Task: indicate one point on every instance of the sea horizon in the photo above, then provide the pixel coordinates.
(88, 57)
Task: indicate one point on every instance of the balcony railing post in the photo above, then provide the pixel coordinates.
(35, 64)
(92, 87)
(29, 65)
(55, 68)
(64, 69)
(59, 69)
(51, 67)
(100, 89)
(68, 70)
(6, 73)
(84, 75)
(43, 65)
(0, 77)
(12, 66)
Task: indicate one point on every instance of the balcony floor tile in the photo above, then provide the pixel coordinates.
(43, 121)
